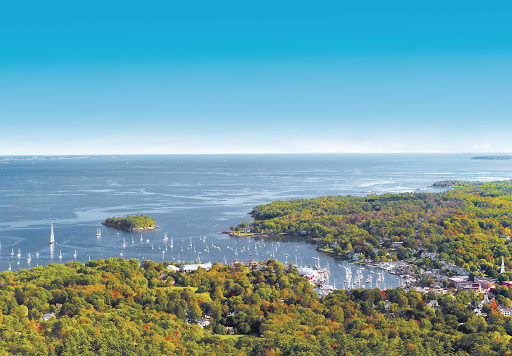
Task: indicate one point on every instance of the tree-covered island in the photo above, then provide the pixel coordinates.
(131, 223)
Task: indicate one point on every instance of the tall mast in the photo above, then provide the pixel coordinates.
(52, 236)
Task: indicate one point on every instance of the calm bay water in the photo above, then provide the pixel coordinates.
(191, 197)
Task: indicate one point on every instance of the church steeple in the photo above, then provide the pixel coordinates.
(502, 265)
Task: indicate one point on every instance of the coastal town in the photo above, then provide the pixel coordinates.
(448, 279)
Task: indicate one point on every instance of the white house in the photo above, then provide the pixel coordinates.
(195, 267)
(506, 311)
(433, 303)
(173, 268)
(47, 316)
(203, 321)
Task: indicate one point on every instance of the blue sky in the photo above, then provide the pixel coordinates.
(260, 77)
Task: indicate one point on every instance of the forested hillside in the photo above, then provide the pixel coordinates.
(115, 307)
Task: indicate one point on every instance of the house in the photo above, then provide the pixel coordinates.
(485, 284)
(505, 311)
(47, 316)
(431, 255)
(234, 263)
(251, 263)
(433, 303)
(458, 281)
(203, 322)
(230, 330)
(397, 244)
(196, 266)
(173, 268)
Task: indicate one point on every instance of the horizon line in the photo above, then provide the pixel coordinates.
(244, 153)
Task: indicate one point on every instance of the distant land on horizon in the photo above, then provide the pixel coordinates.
(493, 157)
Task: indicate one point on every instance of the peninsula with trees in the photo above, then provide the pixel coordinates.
(131, 223)
(468, 228)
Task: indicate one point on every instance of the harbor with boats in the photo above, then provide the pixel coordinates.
(323, 271)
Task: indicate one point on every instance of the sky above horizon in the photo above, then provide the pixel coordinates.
(262, 77)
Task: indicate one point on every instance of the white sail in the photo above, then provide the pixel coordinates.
(52, 236)
(98, 232)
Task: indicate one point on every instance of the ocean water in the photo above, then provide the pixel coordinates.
(193, 198)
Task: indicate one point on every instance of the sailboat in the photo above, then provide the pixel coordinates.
(29, 258)
(140, 238)
(52, 236)
(60, 254)
(172, 243)
(12, 252)
(74, 255)
(124, 242)
(98, 232)
(165, 237)
(19, 254)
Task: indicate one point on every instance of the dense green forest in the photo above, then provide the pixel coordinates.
(116, 307)
(469, 226)
(130, 222)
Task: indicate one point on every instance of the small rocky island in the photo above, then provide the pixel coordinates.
(131, 223)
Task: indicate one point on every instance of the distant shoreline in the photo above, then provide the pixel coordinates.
(493, 157)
